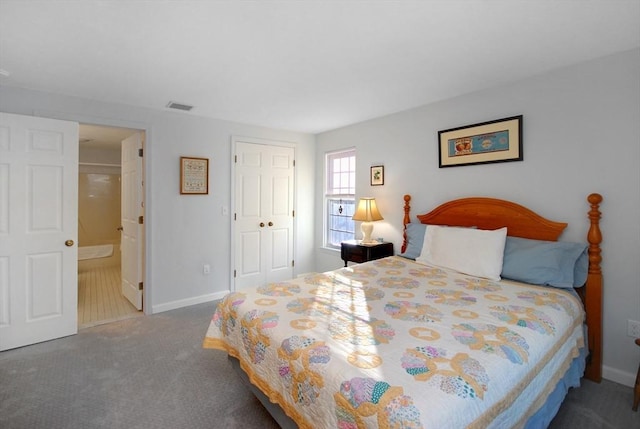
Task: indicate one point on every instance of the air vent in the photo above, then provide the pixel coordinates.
(179, 106)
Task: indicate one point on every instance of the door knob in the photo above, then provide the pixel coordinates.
(261, 224)
(120, 228)
(270, 223)
(68, 243)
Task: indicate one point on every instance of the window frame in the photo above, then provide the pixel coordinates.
(344, 192)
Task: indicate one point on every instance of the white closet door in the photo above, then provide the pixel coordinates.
(263, 228)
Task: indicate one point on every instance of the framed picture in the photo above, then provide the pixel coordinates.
(194, 176)
(377, 175)
(483, 143)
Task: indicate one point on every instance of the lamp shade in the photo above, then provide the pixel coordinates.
(367, 211)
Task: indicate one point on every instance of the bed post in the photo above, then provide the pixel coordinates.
(593, 299)
(405, 221)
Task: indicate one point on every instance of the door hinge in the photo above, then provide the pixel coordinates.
(235, 216)
(140, 285)
(234, 274)
(294, 162)
(140, 220)
(293, 213)
(140, 152)
(235, 159)
(293, 263)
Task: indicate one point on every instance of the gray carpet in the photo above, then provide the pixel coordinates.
(151, 372)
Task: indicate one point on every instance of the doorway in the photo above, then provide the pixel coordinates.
(100, 227)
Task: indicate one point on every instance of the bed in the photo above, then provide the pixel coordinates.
(424, 339)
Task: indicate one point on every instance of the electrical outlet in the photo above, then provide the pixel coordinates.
(633, 328)
(206, 269)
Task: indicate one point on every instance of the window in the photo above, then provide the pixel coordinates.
(340, 190)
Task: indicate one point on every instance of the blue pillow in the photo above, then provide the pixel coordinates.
(553, 263)
(415, 239)
(581, 270)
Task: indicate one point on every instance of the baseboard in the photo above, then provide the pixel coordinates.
(187, 302)
(621, 377)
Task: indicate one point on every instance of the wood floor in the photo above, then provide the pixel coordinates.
(100, 298)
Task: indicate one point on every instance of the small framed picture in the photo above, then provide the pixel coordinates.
(194, 176)
(377, 175)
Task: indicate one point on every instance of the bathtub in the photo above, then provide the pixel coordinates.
(95, 252)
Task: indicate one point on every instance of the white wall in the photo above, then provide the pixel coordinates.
(581, 135)
(184, 232)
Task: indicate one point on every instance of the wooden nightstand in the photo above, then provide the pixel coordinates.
(354, 251)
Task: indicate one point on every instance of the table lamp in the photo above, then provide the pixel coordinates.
(367, 213)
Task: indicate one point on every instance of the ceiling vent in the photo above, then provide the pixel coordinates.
(179, 106)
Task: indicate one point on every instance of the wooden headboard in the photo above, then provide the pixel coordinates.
(492, 213)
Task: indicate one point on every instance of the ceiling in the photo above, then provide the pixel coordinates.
(307, 66)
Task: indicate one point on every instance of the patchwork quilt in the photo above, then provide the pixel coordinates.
(393, 343)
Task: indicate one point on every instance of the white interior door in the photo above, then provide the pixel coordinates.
(263, 229)
(38, 229)
(132, 209)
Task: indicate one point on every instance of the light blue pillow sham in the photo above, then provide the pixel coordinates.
(554, 263)
(415, 239)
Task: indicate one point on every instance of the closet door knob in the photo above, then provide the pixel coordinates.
(120, 228)
(261, 224)
(68, 243)
(270, 223)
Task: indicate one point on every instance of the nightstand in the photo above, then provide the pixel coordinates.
(354, 251)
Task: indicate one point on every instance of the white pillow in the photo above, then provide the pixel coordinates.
(476, 252)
